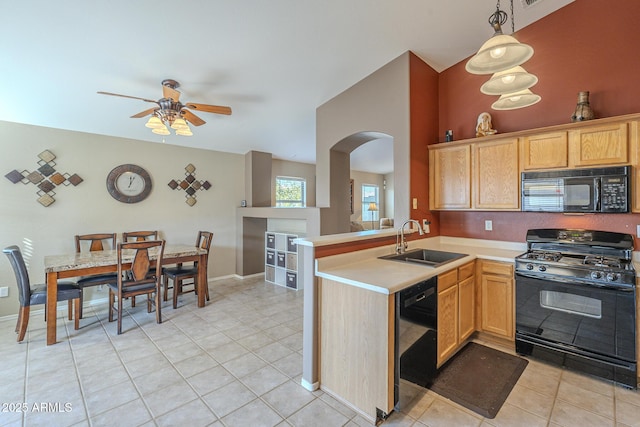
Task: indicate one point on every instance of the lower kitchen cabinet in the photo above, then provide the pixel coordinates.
(456, 314)
(497, 298)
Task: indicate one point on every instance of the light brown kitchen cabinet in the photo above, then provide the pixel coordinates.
(475, 176)
(634, 145)
(601, 145)
(456, 315)
(547, 150)
(496, 175)
(450, 177)
(497, 298)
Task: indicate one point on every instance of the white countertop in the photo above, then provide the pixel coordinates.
(365, 270)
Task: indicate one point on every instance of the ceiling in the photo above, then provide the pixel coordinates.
(274, 62)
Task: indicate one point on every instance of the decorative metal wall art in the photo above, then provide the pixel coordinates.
(190, 185)
(46, 178)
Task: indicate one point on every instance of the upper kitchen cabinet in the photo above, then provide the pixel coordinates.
(605, 144)
(496, 176)
(482, 175)
(547, 150)
(450, 177)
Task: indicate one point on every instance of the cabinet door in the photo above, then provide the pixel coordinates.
(497, 305)
(634, 147)
(450, 177)
(496, 180)
(599, 145)
(466, 308)
(447, 323)
(545, 151)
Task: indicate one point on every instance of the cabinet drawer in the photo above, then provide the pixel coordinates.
(448, 279)
(271, 258)
(498, 268)
(271, 240)
(281, 259)
(291, 246)
(466, 270)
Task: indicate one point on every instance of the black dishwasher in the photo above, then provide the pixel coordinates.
(416, 334)
(418, 303)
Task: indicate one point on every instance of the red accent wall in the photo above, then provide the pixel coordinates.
(589, 45)
(423, 101)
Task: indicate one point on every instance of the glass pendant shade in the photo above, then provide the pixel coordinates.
(154, 123)
(508, 81)
(499, 53)
(161, 131)
(185, 131)
(179, 123)
(512, 101)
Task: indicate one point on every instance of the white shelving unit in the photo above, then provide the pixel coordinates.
(281, 259)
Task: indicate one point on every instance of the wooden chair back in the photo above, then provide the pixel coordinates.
(139, 236)
(96, 242)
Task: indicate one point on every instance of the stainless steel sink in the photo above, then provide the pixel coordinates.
(427, 257)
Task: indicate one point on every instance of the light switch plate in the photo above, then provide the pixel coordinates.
(488, 225)
(4, 291)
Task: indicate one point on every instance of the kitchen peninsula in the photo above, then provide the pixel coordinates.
(350, 310)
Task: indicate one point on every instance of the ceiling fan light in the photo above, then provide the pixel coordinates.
(161, 131)
(186, 131)
(512, 101)
(179, 123)
(154, 123)
(508, 81)
(499, 53)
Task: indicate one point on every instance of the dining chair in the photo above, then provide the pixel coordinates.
(95, 242)
(28, 296)
(189, 272)
(142, 278)
(138, 236)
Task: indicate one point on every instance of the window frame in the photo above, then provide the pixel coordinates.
(301, 202)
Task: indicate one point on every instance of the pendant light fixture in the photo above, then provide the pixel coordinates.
(502, 56)
(501, 51)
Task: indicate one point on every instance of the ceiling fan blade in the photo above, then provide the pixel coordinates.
(127, 96)
(144, 113)
(171, 93)
(192, 118)
(218, 109)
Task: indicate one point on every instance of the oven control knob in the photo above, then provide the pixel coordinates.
(529, 266)
(611, 277)
(596, 275)
(542, 268)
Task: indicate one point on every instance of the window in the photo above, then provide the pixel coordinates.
(370, 202)
(291, 192)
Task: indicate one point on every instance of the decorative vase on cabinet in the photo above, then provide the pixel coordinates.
(583, 108)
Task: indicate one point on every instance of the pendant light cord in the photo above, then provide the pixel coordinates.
(498, 19)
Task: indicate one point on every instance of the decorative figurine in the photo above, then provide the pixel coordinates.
(484, 126)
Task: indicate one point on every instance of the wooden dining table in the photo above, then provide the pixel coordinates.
(98, 262)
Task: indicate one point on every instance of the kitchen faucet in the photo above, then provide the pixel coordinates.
(401, 244)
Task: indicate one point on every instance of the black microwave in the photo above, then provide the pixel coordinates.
(594, 190)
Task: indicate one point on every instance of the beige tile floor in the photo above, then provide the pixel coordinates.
(237, 362)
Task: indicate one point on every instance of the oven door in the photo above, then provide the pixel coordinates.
(594, 321)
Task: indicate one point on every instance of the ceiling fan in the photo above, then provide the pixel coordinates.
(170, 110)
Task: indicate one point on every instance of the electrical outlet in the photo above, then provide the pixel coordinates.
(415, 203)
(425, 226)
(4, 291)
(638, 230)
(488, 225)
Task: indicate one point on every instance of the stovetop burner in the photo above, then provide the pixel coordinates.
(591, 257)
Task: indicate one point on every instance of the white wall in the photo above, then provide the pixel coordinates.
(88, 208)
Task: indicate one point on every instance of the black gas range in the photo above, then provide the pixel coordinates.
(590, 257)
(575, 301)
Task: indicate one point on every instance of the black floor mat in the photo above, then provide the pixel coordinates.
(479, 378)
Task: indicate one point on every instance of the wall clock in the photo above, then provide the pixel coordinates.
(129, 183)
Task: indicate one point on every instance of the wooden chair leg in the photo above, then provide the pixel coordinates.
(120, 313)
(158, 306)
(177, 288)
(165, 286)
(148, 303)
(81, 302)
(111, 301)
(78, 304)
(133, 301)
(24, 322)
(70, 309)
